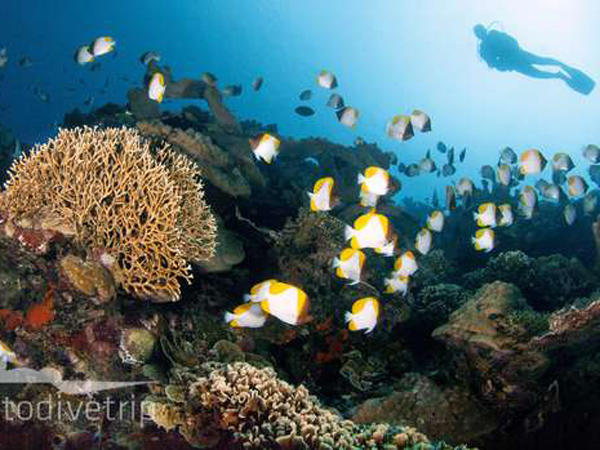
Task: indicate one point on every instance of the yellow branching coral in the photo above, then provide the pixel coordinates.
(143, 211)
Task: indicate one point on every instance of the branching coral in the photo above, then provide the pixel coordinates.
(261, 411)
(143, 213)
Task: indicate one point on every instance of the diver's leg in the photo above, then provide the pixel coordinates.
(533, 72)
(532, 58)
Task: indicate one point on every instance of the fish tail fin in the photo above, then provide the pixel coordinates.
(348, 232)
(361, 178)
(348, 316)
(335, 263)
(247, 298)
(228, 317)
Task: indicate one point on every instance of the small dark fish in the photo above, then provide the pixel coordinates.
(25, 62)
(402, 168)
(305, 95)
(448, 170)
(304, 111)
(438, 173)
(428, 154)
(594, 171)
(451, 156)
(441, 147)
(335, 101)
(435, 201)
(486, 185)
(488, 172)
(413, 170)
(257, 83)
(462, 155)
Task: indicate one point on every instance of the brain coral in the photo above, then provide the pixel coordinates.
(142, 209)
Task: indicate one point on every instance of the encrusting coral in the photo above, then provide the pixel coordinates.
(139, 211)
(260, 411)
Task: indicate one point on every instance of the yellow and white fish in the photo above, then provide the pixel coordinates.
(265, 148)
(103, 45)
(259, 291)
(7, 355)
(486, 215)
(248, 315)
(420, 121)
(286, 302)
(83, 55)
(576, 186)
(375, 180)
(464, 187)
(157, 87)
(591, 152)
(405, 265)
(400, 128)
(364, 315)
(349, 265)
(504, 174)
(506, 215)
(484, 240)
(570, 214)
(370, 230)
(320, 198)
(327, 80)
(528, 197)
(423, 241)
(396, 284)
(348, 116)
(532, 162)
(435, 221)
(387, 249)
(562, 161)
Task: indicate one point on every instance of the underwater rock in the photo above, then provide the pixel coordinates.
(491, 343)
(136, 346)
(453, 414)
(89, 278)
(141, 106)
(229, 252)
(228, 173)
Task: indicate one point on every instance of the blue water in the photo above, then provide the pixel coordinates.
(389, 56)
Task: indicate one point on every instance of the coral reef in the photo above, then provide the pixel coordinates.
(142, 215)
(224, 401)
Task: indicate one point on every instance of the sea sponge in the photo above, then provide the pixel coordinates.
(140, 210)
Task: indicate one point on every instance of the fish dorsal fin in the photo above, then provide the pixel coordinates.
(279, 288)
(360, 304)
(242, 308)
(347, 253)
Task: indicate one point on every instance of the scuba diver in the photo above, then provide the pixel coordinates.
(502, 52)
